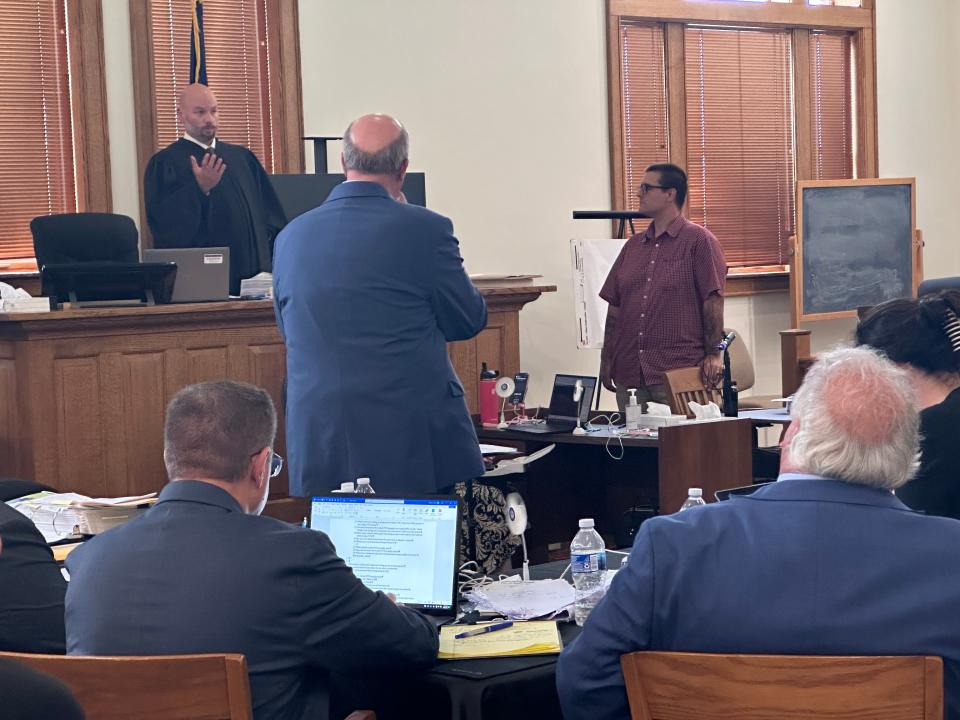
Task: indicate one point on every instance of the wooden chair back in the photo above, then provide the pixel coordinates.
(685, 384)
(161, 687)
(684, 686)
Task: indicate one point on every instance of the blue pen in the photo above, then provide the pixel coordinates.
(484, 629)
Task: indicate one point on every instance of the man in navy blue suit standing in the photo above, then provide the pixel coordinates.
(368, 292)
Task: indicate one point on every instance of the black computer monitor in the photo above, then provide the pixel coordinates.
(89, 284)
(300, 193)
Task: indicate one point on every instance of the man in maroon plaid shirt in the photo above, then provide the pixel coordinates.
(665, 292)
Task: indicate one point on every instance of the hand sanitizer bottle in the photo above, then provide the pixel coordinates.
(633, 411)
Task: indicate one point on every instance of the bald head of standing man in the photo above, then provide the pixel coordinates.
(376, 149)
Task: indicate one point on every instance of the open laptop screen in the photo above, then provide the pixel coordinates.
(406, 546)
(562, 404)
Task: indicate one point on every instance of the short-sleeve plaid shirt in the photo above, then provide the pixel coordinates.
(659, 284)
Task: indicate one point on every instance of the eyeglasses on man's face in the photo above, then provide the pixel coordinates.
(276, 465)
(646, 187)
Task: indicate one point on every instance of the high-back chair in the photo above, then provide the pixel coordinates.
(84, 237)
(158, 687)
(688, 686)
(685, 384)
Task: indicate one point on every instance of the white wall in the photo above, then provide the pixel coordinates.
(124, 177)
(506, 105)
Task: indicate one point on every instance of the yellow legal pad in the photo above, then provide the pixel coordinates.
(524, 638)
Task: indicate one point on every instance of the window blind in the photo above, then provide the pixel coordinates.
(37, 175)
(740, 155)
(644, 106)
(831, 106)
(235, 36)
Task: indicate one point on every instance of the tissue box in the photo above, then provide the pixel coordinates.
(26, 305)
(657, 421)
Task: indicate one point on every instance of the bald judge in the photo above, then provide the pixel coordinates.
(202, 192)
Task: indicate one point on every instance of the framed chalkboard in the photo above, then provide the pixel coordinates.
(856, 246)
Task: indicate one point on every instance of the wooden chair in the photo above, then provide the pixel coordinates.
(684, 686)
(159, 687)
(685, 384)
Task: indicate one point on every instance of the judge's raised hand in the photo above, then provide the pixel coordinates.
(208, 171)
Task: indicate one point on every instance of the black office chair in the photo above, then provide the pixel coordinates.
(84, 237)
(928, 287)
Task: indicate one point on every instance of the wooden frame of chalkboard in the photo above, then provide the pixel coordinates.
(868, 251)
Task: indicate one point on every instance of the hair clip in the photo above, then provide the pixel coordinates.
(952, 328)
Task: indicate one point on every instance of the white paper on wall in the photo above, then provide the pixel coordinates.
(591, 261)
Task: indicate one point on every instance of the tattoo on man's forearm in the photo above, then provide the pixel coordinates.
(712, 321)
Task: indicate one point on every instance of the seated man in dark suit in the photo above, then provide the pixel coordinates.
(31, 588)
(201, 571)
(825, 561)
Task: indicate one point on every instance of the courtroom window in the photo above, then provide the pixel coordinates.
(748, 100)
(740, 161)
(831, 105)
(644, 110)
(39, 174)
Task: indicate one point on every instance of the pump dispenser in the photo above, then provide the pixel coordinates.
(633, 411)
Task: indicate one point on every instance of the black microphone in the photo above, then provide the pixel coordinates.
(725, 343)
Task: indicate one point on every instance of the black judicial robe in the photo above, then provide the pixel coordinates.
(242, 212)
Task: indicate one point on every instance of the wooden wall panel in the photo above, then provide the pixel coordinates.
(80, 427)
(208, 363)
(144, 402)
(8, 406)
(267, 369)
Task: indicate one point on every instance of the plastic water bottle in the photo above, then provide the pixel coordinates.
(364, 487)
(694, 498)
(588, 560)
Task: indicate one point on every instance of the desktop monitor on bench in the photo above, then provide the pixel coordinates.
(91, 284)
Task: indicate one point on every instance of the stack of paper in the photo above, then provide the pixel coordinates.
(525, 638)
(491, 280)
(260, 286)
(98, 515)
(52, 513)
(523, 600)
(59, 516)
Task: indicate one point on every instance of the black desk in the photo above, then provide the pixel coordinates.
(581, 479)
(517, 688)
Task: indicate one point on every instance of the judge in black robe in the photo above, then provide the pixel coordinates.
(240, 210)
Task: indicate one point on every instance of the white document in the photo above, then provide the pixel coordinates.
(509, 466)
(591, 261)
(497, 449)
(524, 600)
(52, 513)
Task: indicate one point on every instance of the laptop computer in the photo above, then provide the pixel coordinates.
(562, 417)
(408, 546)
(203, 274)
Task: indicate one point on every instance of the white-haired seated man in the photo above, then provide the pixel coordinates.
(825, 561)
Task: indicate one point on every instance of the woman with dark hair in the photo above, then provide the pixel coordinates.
(923, 336)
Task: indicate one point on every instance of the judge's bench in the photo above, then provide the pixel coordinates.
(83, 391)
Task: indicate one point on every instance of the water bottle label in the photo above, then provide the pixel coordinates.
(589, 562)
